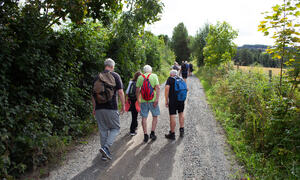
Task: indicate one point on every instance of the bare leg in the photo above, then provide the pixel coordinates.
(154, 122)
(144, 124)
(181, 119)
(172, 123)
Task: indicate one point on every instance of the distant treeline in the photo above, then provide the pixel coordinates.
(254, 55)
(255, 46)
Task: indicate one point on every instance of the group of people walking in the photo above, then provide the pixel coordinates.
(142, 96)
(185, 69)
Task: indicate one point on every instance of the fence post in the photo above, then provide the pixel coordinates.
(270, 75)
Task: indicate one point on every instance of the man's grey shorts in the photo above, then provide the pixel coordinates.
(146, 107)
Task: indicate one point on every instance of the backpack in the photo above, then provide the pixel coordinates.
(175, 67)
(104, 87)
(132, 91)
(147, 90)
(183, 68)
(180, 89)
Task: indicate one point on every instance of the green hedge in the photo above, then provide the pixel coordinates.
(46, 79)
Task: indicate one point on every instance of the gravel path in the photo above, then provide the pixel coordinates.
(199, 155)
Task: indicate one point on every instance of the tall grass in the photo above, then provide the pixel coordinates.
(262, 126)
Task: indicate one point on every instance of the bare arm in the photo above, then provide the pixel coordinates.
(157, 88)
(167, 89)
(138, 93)
(157, 92)
(122, 99)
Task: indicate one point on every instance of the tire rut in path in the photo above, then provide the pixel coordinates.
(199, 155)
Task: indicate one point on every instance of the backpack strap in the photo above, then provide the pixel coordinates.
(176, 77)
(148, 76)
(145, 76)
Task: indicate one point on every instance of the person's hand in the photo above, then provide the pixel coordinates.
(155, 103)
(139, 102)
(167, 104)
(122, 110)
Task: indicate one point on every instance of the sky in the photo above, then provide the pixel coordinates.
(242, 15)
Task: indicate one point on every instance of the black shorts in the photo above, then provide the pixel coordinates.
(174, 107)
(184, 75)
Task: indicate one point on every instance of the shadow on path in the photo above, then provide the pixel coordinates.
(99, 166)
(128, 165)
(160, 165)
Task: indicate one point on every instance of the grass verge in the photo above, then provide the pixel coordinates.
(233, 135)
(261, 126)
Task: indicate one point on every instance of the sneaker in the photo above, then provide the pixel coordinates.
(104, 158)
(181, 130)
(170, 135)
(146, 138)
(105, 152)
(153, 136)
(133, 133)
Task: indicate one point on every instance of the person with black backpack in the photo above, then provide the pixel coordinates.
(131, 97)
(175, 96)
(107, 87)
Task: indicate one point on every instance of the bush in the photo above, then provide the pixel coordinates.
(46, 84)
(262, 125)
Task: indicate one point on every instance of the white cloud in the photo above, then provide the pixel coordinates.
(243, 15)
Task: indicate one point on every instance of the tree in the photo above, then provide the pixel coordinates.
(166, 39)
(246, 57)
(199, 44)
(46, 74)
(180, 43)
(283, 24)
(220, 47)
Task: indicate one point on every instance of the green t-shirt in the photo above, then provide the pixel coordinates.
(153, 81)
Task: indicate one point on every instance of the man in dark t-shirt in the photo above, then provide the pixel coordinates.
(184, 70)
(107, 114)
(113, 103)
(191, 69)
(174, 106)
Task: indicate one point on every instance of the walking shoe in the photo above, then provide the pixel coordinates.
(153, 136)
(170, 135)
(104, 158)
(181, 130)
(146, 138)
(133, 133)
(105, 152)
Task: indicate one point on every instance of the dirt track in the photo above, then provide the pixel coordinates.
(199, 155)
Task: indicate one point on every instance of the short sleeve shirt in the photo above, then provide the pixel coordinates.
(172, 93)
(113, 104)
(153, 81)
(184, 70)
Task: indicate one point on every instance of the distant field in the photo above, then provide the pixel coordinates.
(275, 71)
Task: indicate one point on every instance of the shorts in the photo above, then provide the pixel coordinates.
(184, 75)
(146, 107)
(174, 107)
